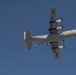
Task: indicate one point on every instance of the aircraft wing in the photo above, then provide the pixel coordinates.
(55, 49)
(52, 22)
(53, 30)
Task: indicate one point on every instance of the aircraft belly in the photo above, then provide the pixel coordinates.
(41, 38)
(47, 38)
(55, 38)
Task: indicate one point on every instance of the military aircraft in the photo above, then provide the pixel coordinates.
(53, 37)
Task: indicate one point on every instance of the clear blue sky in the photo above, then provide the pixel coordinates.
(18, 15)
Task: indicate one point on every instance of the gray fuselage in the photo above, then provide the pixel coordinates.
(54, 37)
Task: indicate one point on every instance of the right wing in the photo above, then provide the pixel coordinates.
(55, 49)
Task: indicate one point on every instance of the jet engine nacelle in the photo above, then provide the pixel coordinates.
(60, 20)
(59, 28)
(56, 21)
(61, 46)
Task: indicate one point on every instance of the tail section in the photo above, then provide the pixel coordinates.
(28, 39)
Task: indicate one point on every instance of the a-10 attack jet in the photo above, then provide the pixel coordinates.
(53, 37)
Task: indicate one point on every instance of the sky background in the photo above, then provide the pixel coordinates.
(18, 15)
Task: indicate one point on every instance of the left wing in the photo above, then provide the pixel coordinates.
(55, 49)
(52, 22)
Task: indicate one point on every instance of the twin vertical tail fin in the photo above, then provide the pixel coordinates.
(28, 39)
